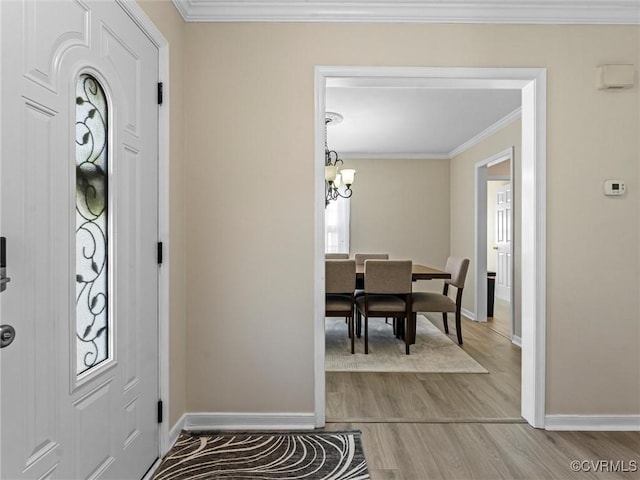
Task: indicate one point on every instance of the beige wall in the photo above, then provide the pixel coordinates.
(250, 106)
(499, 169)
(463, 208)
(401, 207)
(170, 23)
(249, 203)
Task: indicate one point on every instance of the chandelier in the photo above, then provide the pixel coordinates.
(334, 174)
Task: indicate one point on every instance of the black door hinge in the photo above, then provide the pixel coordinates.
(159, 411)
(159, 253)
(160, 96)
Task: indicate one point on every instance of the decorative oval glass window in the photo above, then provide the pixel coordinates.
(92, 239)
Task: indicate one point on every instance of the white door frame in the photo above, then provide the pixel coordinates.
(481, 178)
(532, 83)
(157, 38)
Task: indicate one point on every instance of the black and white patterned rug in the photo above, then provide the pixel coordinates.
(265, 456)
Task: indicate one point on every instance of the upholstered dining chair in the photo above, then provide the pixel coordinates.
(436, 302)
(387, 293)
(340, 282)
(360, 259)
(336, 256)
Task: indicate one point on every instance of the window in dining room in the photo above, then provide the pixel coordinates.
(336, 226)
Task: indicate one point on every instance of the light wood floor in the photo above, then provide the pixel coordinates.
(501, 320)
(464, 426)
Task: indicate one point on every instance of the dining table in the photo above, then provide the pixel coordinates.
(418, 272)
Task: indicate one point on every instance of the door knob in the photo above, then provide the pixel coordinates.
(7, 335)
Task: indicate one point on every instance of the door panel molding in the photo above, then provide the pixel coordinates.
(45, 79)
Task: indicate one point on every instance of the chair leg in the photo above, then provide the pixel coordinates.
(358, 324)
(352, 335)
(400, 330)
(366, 335)
(458, 327)
(414, 327)
(407, 336)
(446, 324)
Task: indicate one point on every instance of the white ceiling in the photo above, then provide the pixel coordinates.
(414, 122)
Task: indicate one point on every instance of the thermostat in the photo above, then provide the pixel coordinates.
(614, 187)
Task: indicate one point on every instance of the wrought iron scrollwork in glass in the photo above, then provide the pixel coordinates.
(92, 273)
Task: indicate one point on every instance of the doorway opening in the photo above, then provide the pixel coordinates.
(495, 244)
(532, 280)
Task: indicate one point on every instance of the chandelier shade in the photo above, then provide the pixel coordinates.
(334, 174)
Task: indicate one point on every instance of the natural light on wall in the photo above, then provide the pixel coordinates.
(336, 226)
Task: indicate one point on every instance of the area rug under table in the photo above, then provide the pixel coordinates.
(266, 455)
(433, 352)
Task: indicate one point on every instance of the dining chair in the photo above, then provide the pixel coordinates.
(360, 259)
(340, 282)
(436, 302)
(336, 256)
(387, 293)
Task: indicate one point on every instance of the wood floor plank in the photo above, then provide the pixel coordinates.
(465, 426)
(410, 451)
(376, 396)
(501, 320)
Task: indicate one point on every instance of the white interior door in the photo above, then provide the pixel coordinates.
(503, 241)
(79, 210)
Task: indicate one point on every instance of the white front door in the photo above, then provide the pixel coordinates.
(503, 241)
(79, 211)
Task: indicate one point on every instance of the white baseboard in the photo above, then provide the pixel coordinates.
(174, 433)
(627, 423)
(249, 421)
(516, 340)
(468, 313)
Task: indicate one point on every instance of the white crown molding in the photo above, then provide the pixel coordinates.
(487, 132)
(622, 12)
(393, 156)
